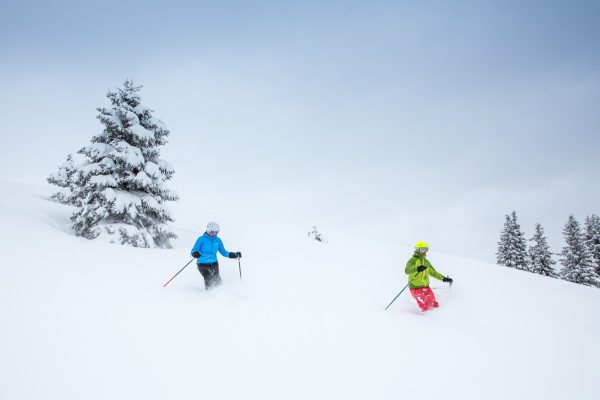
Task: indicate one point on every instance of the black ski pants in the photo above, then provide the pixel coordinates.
(210, 272)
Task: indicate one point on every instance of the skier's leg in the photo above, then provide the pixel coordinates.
(431, 300)
(212, 278)
(216, 277)
(418, 295)
(205, 271)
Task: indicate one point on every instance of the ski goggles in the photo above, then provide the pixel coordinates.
(422, 249)
(213, 233)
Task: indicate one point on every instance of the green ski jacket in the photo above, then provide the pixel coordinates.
(420, 279)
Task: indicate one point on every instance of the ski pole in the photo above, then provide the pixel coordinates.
(403, 289)
(396, 296)
(240, 267)
(178, 272)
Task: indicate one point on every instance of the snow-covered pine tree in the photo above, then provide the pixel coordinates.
(592, 240)
(65, 178)
(512, 247)
(122, 190)
(539, 254)
(576, 259)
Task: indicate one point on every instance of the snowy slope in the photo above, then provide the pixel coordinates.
(88, 320)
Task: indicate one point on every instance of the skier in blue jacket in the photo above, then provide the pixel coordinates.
(205, 251)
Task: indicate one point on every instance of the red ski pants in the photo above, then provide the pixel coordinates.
(425, 298)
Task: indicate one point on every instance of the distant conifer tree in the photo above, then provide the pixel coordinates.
(540, 257)
(512, 247)
(592, 240)
(576, 259)
(120, 189)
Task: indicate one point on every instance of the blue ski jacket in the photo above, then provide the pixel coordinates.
(208, 246)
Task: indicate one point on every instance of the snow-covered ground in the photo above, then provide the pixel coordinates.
(89, 320)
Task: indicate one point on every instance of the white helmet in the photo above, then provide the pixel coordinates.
(212, 226)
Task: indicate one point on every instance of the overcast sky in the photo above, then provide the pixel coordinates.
(404, 121)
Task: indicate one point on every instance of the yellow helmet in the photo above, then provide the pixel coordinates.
(421, 245)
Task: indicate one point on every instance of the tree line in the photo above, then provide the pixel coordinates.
(579, 257)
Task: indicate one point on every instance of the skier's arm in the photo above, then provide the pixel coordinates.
(196, 246)
(435, 274)
(222, 250)
(411, 267)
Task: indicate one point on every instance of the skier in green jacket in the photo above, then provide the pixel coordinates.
(418, 269)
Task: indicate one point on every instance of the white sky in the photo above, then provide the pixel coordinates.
(426, 121)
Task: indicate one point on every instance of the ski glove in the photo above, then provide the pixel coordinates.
(235, 255)
(447, 279)
(196, 254)
(421, 268)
